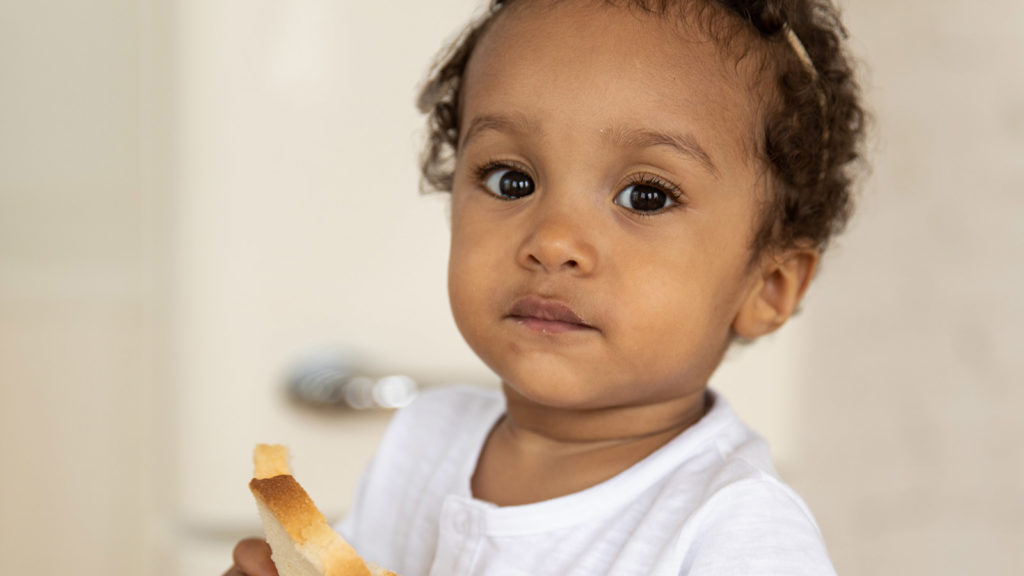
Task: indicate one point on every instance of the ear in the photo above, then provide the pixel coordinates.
(781, 280)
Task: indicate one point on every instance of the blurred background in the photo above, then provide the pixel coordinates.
(198, 198)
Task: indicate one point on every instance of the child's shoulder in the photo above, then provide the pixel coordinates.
(733, 508)
(726, 456)
(449, 406)
(442, 420)
(455, 396)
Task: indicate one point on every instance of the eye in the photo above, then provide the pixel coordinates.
(642, 197)
(508, 183)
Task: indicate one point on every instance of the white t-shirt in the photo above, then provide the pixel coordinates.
(707, 503)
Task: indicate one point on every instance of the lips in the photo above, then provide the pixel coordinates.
(546, 315)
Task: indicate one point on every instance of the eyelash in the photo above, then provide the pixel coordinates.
(641, 179)
(490, 166)
(654, 181)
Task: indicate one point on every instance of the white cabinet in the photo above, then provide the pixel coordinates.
(295, 227)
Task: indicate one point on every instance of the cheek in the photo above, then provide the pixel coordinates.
(461, 278)
(677, 337)
(463, 296)
(481, 240)
(682, 303)
(471, 273)
(462, 239)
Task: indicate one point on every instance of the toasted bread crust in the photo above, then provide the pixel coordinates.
(306, 525)
(270, 460)
(290, 504)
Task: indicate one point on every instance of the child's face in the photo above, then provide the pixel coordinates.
(574, 273)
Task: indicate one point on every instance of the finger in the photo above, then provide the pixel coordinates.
(252, 558)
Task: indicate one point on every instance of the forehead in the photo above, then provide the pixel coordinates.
(596, 65)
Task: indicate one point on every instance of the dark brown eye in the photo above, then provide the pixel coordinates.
(510, 184)
(644, 198)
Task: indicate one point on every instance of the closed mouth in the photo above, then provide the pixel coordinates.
(546, 315)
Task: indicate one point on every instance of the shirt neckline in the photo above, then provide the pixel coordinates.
(599, 500)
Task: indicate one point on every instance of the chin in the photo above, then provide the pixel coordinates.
(563, 392)
(556, 398)
(546, 379)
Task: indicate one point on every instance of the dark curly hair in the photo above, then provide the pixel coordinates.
(812, 128)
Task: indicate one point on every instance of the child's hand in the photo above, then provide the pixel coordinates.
(252, 558)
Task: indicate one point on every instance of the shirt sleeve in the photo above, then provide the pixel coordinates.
(752, 528)
(348, 526)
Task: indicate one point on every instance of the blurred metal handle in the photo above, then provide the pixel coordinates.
(332, 381)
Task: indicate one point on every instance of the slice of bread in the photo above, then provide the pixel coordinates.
(301, 541)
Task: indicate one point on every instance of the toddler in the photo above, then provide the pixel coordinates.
(634, 186)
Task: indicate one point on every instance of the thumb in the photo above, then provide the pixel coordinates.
(252, 558)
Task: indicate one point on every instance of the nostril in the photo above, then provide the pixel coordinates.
(555, 252)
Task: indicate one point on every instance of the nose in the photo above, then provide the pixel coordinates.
(558, 242)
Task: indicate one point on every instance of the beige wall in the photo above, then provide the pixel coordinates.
(193, 194)
(912, 380)
(75, 434)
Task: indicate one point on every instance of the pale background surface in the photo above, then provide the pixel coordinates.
(195, 194)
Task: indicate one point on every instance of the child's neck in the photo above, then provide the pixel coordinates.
(537, 453)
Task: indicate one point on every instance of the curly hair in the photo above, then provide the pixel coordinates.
(810, 134)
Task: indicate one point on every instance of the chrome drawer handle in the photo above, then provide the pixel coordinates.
(332, 382)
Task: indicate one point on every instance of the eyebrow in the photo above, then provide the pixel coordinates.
(623, 137)
(685, 144)
(514, 123)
